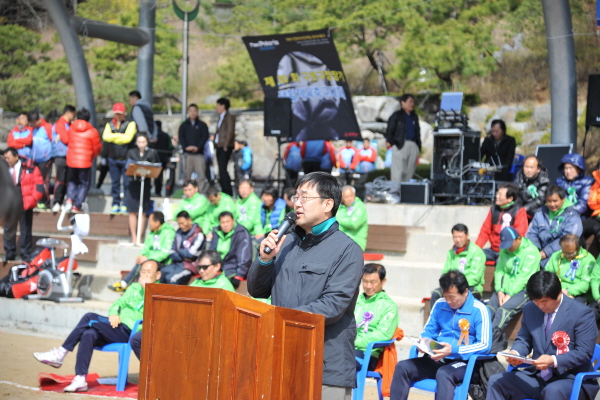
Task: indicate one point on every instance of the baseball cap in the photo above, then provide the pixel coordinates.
(507, 237)
(119, 108)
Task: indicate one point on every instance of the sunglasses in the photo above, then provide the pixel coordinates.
(205, 266)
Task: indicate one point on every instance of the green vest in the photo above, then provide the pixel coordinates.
(381, 326)
(514, 269)
(353, 222)
(196, 206)
(248, 213)
(219, 282)
(575, 276)
(225, 204)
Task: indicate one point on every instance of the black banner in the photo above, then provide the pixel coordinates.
(305, 67)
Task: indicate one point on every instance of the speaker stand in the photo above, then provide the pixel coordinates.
(279, 163)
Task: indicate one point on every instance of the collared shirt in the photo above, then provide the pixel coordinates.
(221, 117)
(16, 170)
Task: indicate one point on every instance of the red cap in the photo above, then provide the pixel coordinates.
(119, 108)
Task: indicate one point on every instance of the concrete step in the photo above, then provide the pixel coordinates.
(117, 256)
(431, 247)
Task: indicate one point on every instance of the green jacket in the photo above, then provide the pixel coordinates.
(130, 306)
(575, 276)
(470, 262)
(196, 206)
(157, 245)
(248, 213)
(225, 204)
(514, 269)
(383, 324)
(220, 282)
(595, 281)
(353, 222)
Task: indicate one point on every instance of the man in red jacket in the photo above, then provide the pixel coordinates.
(508, 211)
(28, 178)
(84, 145)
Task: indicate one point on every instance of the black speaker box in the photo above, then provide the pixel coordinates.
(593, 101)
(414, 192)
(278, 117)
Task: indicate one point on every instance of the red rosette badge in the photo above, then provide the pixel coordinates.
(561, 340)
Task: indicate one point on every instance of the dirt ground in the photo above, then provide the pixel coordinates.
(19, 370)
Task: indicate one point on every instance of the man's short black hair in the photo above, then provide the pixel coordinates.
(512, 190)
(406, 96)
(456, 279)
(183, 214)
(135, 93)
(571, 238)
(543, 284)
(226, 214)
(84, 114)
(12, 151)
(289, 192)
(158, 216)
(68, 108)
(500, 123)
(460, 228)
(224, 102)
(327, 186)
(271, 191)
(189, 182)
(213, 256)
(158, 265)
(248, 181)
(193, 105)
(371, 268)
(212, 191)
(555, 189)
(34, 115)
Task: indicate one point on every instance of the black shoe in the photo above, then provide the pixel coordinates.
(7, 259)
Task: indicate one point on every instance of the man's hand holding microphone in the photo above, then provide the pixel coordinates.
(271, 244)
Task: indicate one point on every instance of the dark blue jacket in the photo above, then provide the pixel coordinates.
(546, 234)
(578, 190)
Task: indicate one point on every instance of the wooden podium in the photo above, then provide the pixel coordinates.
(201, 343)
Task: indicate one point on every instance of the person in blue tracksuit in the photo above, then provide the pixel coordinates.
(458, 322)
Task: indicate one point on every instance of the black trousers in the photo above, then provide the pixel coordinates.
(93, 330)
(60, 182)
(45, 168)
(311, 166)
(591, 226)
(224, 178)
(25, 239)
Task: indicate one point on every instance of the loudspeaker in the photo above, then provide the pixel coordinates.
(414, 192)
(593, 101)
(278, 117)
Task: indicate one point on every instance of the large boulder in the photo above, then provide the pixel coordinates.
(479, 115)
(532, 138)
(520, 126)
(542, 116)
(506, 113)
(375, 108)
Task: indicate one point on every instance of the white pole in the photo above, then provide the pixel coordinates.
(140, 213)
(184, 80)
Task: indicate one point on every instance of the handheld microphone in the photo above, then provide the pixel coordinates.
(288, 222)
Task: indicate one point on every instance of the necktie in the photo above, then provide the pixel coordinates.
(547, 373)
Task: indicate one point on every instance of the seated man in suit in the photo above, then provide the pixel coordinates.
(211, 275)
(448, 365)
(376, 314)
(466, 257)
(96, 330)
(518, 260)
(547, 320)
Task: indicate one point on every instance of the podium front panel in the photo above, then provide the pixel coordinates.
(298, 355)
(180, 343)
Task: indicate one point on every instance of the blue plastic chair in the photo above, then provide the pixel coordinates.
(358, 393)
(461, 392)
(124, 350)
(517, 164)
(580, 376)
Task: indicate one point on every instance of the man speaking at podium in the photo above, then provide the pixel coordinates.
(316, 269)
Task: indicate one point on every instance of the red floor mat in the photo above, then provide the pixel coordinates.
(57, 383)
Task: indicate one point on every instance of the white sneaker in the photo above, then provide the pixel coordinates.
(52, 358)
(77, 385)
(56, 208)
